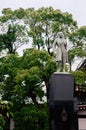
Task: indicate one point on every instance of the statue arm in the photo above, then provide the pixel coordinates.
(54, 45)
(65, 44)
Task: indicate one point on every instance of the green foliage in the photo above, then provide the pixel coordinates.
(2, 122)
(13, 32)
(79, 77)
(44, 24)
(22, 77)
(22, 82)
(19, 13)
(13, 38)
(5, 113)
(6, 11)
(76, 52)
(31, 118)
(43, 60)
(78, 38)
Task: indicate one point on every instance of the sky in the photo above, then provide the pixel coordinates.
(76, 7)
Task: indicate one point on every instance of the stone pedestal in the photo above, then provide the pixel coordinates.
(62, 105)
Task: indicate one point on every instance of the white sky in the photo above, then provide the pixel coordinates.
(76, 7)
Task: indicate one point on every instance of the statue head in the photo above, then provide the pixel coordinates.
(60, 35)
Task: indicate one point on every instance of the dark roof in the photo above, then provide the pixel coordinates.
(82, 64)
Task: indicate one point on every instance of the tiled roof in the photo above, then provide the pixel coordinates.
(82, 64)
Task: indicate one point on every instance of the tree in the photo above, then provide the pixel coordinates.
(12, 39)
(13, 34)
(32, 118)
(4, 114)
(79, 77)
(26, 74)
(23, 79)
(78, 49)
(44, 24)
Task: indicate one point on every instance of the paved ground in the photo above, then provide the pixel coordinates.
(82, 123)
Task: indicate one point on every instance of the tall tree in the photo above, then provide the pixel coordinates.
(78, 49)
(13, 32)
(23, 77)
(13, 38)
(44, 24)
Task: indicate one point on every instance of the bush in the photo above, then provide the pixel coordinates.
(31, 118)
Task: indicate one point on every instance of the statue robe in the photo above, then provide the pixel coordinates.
(60, 50)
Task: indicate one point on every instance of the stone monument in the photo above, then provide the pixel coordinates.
(62, 101)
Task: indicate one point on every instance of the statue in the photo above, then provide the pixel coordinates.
(60, 51)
